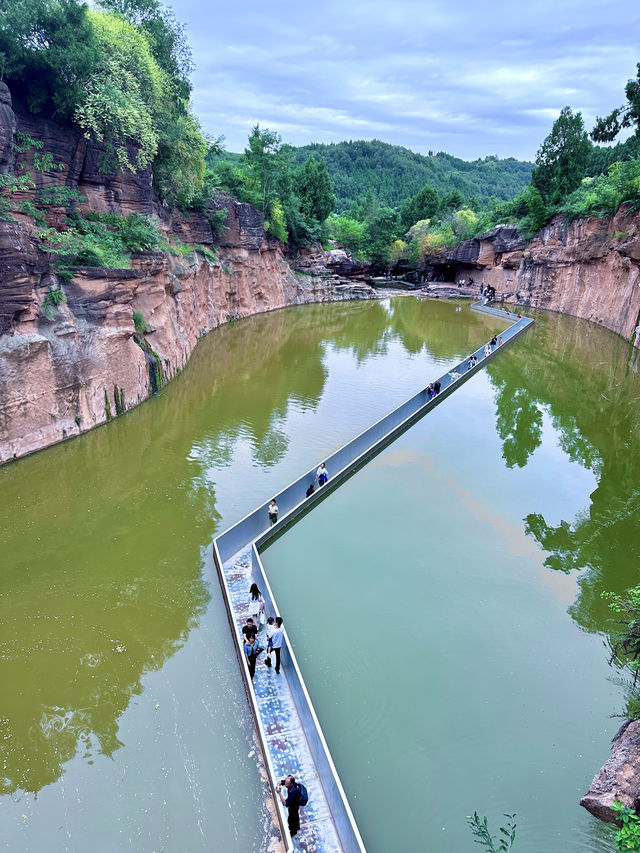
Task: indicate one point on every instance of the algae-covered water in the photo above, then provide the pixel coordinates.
(452, 661)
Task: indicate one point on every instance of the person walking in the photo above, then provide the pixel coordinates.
(436, 386)
(310, 490)
(296, 796)
(250, 630)
(271, 627)
(322, 475)
(273, 512)
(500, 341)
(252, 650)
(277, 639)
(256, 605)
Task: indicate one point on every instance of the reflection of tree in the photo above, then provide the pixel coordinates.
(519, 425)
(581, 376)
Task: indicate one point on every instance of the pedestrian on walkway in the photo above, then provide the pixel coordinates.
(493, 342)
(487, 350)
(322, 475)
(436, 386)
(430, 391)
(277, 639)
(252, 650)
(500, 341)
(271, 627)
(250, 630)
(273, 512)
(256, 605)
(296, 796)
(310, 490)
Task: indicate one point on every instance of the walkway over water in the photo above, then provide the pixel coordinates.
(289, 733)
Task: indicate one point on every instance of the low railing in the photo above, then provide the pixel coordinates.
(254, 531)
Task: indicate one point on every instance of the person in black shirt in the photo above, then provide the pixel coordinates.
(291, 803)
(250, 629)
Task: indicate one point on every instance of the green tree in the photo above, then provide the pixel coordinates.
(381, 232)
(537, 214)
(561, 162)
(264, 159)
(628, 115)
(424, 205)
(451, 201)
(315, 190)
(48, 51)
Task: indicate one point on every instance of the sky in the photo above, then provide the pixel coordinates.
(465, 77)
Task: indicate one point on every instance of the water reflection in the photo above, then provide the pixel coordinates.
(102, 538)
(585, 378)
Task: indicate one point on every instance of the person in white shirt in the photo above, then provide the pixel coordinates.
(277, 640)
(256, 605)
(322, 475)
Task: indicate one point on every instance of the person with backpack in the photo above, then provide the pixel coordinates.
(297, 797)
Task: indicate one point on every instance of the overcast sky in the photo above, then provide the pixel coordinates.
(470, 78)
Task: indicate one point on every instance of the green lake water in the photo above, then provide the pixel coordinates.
(444, 603)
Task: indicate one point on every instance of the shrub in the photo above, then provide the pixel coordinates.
(139, 322)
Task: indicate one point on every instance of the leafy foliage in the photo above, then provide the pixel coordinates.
(481, 835)
(628, 115)
(628, 836)
(561, 162)
(397, 174)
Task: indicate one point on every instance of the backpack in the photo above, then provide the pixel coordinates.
(304, 794)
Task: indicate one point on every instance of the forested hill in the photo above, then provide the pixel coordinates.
(395, 173)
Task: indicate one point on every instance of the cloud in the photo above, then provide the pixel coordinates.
(465, 78)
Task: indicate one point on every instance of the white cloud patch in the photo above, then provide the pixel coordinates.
(470, 80)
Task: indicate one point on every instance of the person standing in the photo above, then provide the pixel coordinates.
(273, 512)
(277, 639)
(256, 605)
(252, 650)
(292, 802)
(271, 627)
(250, 630)
(436, 386)
(322, 475)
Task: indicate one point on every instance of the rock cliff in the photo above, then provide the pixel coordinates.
(619, 779)
(73, 366)
(589, 268)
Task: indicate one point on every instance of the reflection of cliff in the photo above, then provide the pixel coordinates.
(587, 384)
(102, 579)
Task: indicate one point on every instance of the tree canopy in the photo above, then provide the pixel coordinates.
(562, 159)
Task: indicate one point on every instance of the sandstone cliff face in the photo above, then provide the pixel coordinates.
(589, 268)
(64, 375)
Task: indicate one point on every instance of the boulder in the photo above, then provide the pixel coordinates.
(619, 779)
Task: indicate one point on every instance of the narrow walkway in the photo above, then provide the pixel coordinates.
(286, 742)
(289, 733)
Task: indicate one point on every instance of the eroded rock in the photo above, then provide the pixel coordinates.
(619, 778)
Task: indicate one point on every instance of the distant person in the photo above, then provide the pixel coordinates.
(296, 797)
(310, 490)
(277, 639)
(430, 391)
(322, 475)
(518, 316)
(250, 630)
(273, 512)
(500, 341)
(487, 350)
(256, 605)
(493, 342)
(454, 374)
(437, 386)
(471, 363)
(252, 650)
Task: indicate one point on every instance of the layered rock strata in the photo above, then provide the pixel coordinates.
(66, 368)
(589, 268)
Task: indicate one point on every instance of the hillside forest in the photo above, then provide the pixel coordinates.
(119, 71)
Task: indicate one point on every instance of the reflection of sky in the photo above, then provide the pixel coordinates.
(468, 79)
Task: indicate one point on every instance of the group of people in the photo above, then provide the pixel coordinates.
(297, 795)
(433, 388)
(274, 633)
(322, 477)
